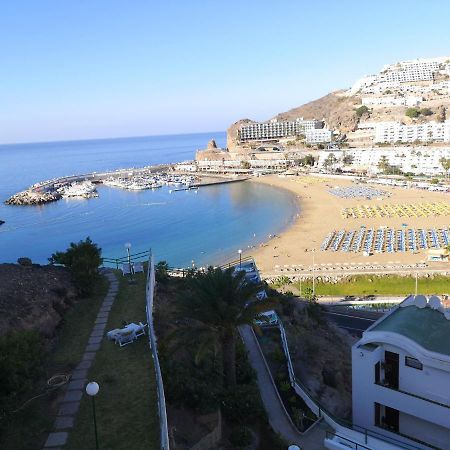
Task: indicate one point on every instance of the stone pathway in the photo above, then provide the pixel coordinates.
(68, 406)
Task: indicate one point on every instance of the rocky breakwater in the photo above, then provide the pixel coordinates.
(30, 197)
(34, 297)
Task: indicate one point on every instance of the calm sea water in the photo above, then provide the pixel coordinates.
(207, 226)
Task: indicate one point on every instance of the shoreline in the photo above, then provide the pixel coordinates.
(290, 253)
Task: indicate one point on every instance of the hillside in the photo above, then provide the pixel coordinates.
(337, 110)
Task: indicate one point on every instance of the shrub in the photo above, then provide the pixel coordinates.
(240, 437)
(426, 112)
(20, 365)
(361, 111)
(83, 260)
(241, 402)
(412, 113)
(161, 272)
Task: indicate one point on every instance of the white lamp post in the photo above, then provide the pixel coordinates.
(128, 247)
(240, 259)
(92, 389)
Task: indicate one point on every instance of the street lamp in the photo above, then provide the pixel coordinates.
(128, 246)
(240, 259)
(314, 272)
(92, 389)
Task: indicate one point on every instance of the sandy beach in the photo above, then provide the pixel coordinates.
(320, 213)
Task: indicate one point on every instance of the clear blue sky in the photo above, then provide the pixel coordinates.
(106, 68)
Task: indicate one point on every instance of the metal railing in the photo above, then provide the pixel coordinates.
(335, 422)
(135, 257)
(331, 435)
(150, 290)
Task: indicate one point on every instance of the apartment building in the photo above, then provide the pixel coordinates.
(401, 374)
(318, 136)
(277, 129)
(391, 101)
(424, 132)
(394, 75)
(416, 160)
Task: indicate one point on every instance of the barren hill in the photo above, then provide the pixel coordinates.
(337, 110)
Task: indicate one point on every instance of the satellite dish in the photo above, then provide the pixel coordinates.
(434, 302)
(420, 301)
(447, 315)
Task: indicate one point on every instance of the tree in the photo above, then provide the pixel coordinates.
(216, 303)
(361, 111)
(445, 163)
(330, 161)
(426, 112)
(83, 260)
(383, 164)
(309, 160)
(245, 165)
(412, 113)
(347, 159)
(162, 272)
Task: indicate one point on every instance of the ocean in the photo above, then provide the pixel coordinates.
(206, 227)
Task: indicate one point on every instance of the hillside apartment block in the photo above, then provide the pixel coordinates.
(401, 374)
(394, 75)
(415, 160)
(392, 132)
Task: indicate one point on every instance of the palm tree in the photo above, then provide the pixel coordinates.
(217, 302)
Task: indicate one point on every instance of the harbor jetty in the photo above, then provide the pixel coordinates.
(135, 179)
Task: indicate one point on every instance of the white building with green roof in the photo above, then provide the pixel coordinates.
(401, 374)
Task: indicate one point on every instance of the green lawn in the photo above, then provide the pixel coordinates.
(28, 428)
(126, 403)
(375, 285)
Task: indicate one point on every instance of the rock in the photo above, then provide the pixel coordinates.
(211, 144)
(35, 298)
(32, 198)
(2, 222)
(25, 262)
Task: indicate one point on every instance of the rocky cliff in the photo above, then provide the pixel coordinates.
(33, 297)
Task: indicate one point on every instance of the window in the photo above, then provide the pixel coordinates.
(413, 362)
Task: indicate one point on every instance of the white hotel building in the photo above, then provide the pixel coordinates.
(416, 160)
(277, 129)
(392, 132)
(401, 375)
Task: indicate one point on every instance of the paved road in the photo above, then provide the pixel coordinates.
(278, 418)
(354, 323)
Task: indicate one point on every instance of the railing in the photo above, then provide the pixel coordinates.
(330, 435)
(413, 395)
(150, 289)
(142, 256)
(335, 422)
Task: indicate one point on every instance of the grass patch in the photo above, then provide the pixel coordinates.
(126, 404)
(28, 428)
(360, 285)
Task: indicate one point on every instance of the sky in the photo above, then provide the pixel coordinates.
(106, 68)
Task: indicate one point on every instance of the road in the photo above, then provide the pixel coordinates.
(354, 322)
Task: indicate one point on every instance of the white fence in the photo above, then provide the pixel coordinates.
(150, 290)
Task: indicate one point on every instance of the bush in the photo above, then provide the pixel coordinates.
(20, 366)
(161, 272)
(83, 260)
(426, 112)
(241, 402)
(412, 113)
(240, 437)
(361, 111)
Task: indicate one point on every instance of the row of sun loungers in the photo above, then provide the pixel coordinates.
(397, 210)
(358, 192)
(385, 240)
(347, 267)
